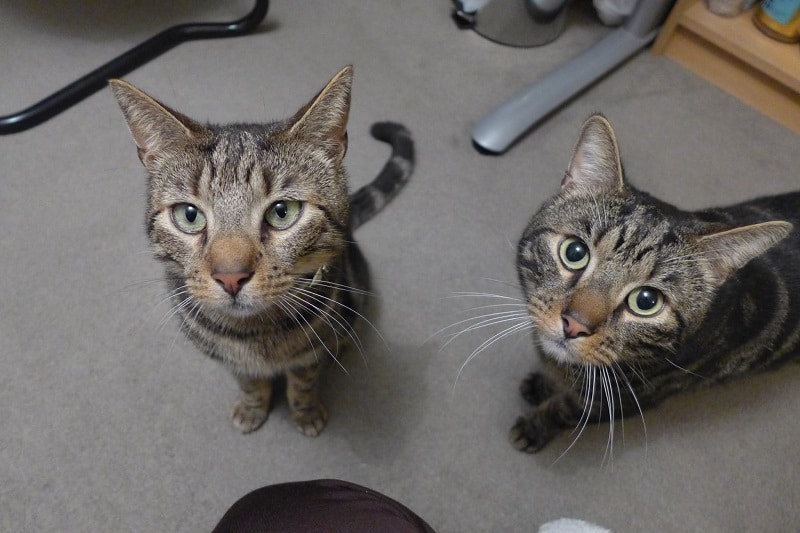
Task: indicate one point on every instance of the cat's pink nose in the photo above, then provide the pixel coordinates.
(232, 282)
(574, 328)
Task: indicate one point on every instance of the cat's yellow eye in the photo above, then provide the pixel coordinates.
(645, 301)
(283, 213)
(188, 218)
(574, 253)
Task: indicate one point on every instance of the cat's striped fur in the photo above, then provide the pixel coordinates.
(253, 223)
(632, 300)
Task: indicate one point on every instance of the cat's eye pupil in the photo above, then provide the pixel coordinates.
(647, 299)
(281, 210)
(190, 213)
(575, 252)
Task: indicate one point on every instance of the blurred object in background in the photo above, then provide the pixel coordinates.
(779, 19)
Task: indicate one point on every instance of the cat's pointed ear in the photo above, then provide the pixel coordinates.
(728, 251)
(156, 129)
(595, 163)
(323, 121)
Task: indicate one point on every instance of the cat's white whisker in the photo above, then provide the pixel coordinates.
(326, 318)
(483, 295)
(135, 285)
(520, 326)
(679, 367)
(489, 320)
(333, 301)
(608, 393)
(612, 370)
(638, 405)
(582, 373)
(177, 308)
(194, 308)
(511, 244)
(636, 370)
(309, 307)
(588, 392)
(173, 294)
(522, 321)
(482, 321)
(518, 308)
(333, 285)
(323, 310)
(327, 313)
(292, 312)
(511, 284)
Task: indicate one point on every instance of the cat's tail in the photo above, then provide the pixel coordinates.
(371, 198)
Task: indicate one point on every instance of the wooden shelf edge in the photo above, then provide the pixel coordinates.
(739, 37)
(735, 77)
(701, 42)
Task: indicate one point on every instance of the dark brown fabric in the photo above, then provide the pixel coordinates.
(327, 505)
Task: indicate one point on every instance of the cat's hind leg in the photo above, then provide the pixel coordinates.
(302, 393)
(252, 408)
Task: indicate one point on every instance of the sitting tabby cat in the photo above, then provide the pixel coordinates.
(253, 224)
(632, 300)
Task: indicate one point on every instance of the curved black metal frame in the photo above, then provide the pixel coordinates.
(126, 62)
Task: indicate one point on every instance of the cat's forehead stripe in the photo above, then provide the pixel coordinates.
(205, 178)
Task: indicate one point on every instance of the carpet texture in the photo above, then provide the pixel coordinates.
(111, 421)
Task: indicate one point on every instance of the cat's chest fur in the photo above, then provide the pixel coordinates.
(250, 348)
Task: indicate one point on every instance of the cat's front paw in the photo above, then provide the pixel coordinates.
(310, 421)
(528, 436)
(536, 388)
(247, 416)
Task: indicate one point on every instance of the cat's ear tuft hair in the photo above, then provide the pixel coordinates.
(155, 128)
(595, 163)
(323, 120)
(727, 251)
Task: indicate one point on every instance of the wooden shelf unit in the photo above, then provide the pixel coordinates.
(732, 54)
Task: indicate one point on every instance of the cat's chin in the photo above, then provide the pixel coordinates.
(559, 351)
(239, 310)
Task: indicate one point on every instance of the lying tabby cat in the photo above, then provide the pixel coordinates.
(633, 300)
(253, 224)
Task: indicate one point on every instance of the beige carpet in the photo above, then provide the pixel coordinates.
(110, 421)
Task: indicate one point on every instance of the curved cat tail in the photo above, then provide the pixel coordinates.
(371, 198)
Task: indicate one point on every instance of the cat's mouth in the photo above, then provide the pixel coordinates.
(559, 350)
(236, 307)
(571, 351)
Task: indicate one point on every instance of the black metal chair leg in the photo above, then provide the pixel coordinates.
(130, 60)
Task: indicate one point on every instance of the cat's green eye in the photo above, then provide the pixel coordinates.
(573, 253)
(188, 218)
(283, 213)
(645, 301)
